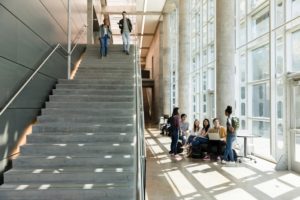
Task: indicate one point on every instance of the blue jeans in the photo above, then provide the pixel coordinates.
(126, 41)
(199, 140)
(104, 45)
(174, 138)
(228, 154)
(190, 139)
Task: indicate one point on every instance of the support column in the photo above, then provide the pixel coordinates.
(166, 55)
(225, 52)
(90, 22)
(161, 68)
(184, 56)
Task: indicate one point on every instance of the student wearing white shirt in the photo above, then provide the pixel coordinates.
(184, 128)
(194, 132)
(125, 28)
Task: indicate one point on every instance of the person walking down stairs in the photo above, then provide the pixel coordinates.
(104, 37)
(125, 27)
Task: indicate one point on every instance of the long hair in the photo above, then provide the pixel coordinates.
(208, 125)
(175, 111)
(195, 126)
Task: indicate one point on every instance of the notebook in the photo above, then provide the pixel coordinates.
(214, 136)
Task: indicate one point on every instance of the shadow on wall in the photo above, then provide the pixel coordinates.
(16, 121)
(13, 135)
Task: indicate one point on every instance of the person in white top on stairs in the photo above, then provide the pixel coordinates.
(125, 27)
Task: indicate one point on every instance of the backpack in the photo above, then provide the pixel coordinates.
(170, 123)
(235, 123)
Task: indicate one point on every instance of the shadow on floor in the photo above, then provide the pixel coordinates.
(184, 178)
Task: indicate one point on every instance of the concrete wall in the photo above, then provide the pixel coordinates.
(153, 60)
(29, 30)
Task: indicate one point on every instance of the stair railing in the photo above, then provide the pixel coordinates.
(140, 157)
(79, 35)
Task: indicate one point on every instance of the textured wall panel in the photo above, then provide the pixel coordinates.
(30, 29)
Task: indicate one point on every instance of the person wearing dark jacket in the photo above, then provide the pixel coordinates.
(175, 120)
(126, 28)
(104, 36)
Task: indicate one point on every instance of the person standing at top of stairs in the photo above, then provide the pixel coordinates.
(125, 27)
(104, 37)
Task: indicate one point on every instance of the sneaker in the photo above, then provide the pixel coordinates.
(218, 158)
(206, 158)
(223, 162)
(231, 163)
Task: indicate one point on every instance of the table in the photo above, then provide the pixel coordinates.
(246, 136)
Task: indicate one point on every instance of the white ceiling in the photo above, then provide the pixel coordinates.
(150, 10)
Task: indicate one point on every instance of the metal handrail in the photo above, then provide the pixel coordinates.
(35, 72)
(140, 145)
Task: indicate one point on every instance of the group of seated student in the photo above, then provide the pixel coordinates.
(199, 136)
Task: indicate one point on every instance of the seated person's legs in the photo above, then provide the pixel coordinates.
(183, 138)
(220, 148)
(190, 139)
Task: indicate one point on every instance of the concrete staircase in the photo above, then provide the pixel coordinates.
(81, 147)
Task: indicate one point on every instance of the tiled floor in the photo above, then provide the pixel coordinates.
(184, 178)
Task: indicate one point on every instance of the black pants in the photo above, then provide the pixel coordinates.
(218, 144)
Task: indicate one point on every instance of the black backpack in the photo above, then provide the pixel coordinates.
(170, 123)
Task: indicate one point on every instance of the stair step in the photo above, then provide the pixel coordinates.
(93, 92)
(90, 98)
(96, 81)
(105, 113)
(95, 105)
(107, 67)
(80, 127)
(108, 176)
(85, 118)
(38, 162)
(56, 137)
(103, 77)
(94, 60)
(67, 191)
(105, 73)
(94, 86)
(103, 69)
(73, 149)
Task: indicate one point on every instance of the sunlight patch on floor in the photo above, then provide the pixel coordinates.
(237, 193)
(206, 177)
(262, 165)
(164, 140)
(179, 183)
(291, 179)
(273, 188)
(239, 172)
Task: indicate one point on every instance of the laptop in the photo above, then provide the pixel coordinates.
(214, 136)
